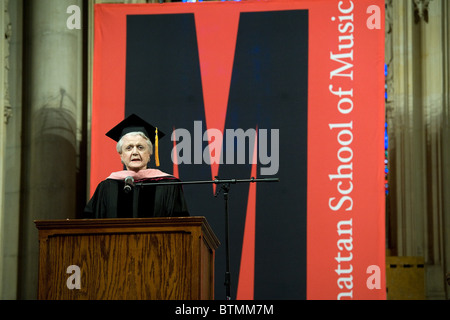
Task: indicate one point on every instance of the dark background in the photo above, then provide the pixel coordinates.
(268, 90)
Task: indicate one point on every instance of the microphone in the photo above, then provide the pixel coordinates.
(129, 184)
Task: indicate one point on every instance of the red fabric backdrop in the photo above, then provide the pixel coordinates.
(345, 130)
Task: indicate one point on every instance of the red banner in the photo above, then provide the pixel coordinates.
(345, 152)
(342, 255)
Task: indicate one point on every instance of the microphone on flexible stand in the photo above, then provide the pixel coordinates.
(129, 184)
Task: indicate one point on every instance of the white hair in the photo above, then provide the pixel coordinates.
(134, 133)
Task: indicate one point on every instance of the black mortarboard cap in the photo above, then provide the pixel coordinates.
(135, 123)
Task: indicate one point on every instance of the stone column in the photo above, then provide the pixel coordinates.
(52, 101)
(11, 159)
(434, 118)
(446, 141)
(418, 117)
(406, 138)
(4, 105)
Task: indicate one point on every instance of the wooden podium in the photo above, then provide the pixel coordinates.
(148, 258)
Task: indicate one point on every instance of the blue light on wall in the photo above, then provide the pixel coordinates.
(386, 137)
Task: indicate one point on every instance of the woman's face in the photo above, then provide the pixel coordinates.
(135, 152)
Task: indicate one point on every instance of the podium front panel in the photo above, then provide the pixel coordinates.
(120, 259)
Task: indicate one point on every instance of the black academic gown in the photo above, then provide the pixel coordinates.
(111, 201)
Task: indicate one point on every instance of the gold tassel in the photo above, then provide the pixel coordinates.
(156, 148)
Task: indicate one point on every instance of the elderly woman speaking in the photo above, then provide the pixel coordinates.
(115, 197)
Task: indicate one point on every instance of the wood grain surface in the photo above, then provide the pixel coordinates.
(137, 261)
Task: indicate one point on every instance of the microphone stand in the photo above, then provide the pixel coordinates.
(225, 188)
